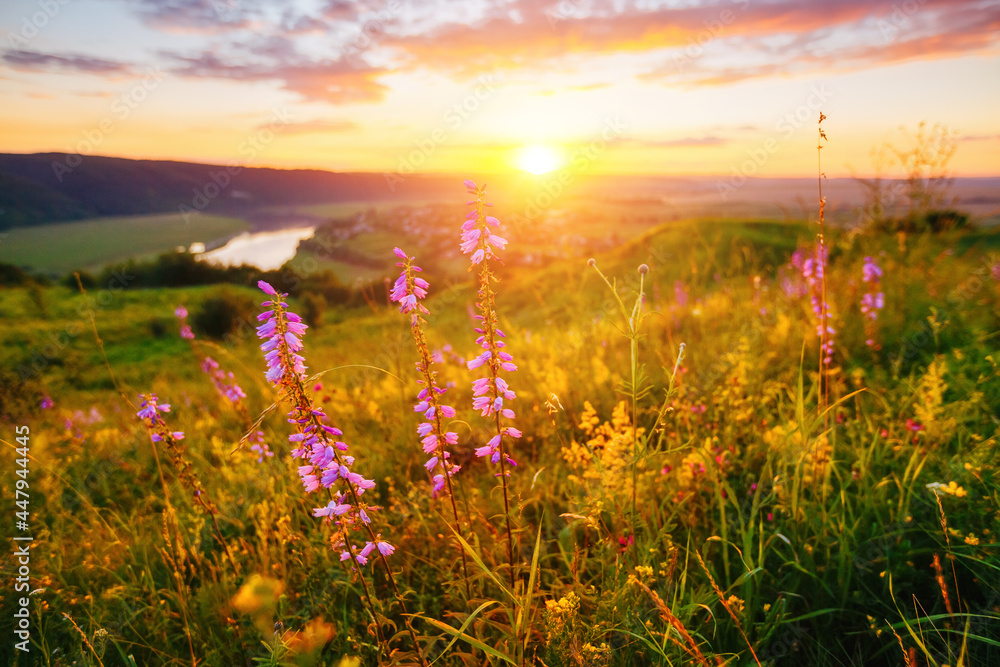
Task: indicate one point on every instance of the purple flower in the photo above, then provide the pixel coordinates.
(490, 391)
(871, 272)
(408, 289)
(47, 402)
(477, 238)
(149, 407)
(326, 464)
(224, 382)
(813, 271)
(680, 293)
(872, 300)
(260, 447)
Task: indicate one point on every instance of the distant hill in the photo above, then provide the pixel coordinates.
(24, 202)
(41, 188)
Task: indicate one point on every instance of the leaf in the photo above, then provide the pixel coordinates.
(525, 609)
(470, 640)
(461, 630)
(482, 566)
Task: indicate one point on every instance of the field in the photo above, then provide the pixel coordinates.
(90, 244)
(693, 485)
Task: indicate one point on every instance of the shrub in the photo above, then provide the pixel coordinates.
(221, 315)
(313, 308)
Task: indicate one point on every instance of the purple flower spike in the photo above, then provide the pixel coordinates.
(490, 391)
(326, 463)
(872, 301)
(408, 289)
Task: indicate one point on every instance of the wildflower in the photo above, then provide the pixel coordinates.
(407, 291)
(47, 402)
(224, 382)
(327, 464)
(604, 457)
(951, 489)
(149, 408)
(151, 413)
(873, 300)
(813, 270)
(489, 392)
(680, 293)
(182, 313)
(260, 447)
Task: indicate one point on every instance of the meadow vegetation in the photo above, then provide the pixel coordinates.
(688, 489)
(91, 244)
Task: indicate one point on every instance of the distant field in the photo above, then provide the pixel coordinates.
(90, 244)
(348, 209)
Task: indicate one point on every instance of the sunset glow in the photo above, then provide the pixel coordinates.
(393, 86)
(539, 159)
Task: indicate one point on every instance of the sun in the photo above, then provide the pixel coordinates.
(539, 159)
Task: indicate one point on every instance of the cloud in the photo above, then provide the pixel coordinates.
(317, 126)
(337, 81)
(198, 16)
(961, 28)
(704, 44)
(33, 61)
(714, 43)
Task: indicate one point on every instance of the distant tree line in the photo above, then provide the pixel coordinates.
(182, 269)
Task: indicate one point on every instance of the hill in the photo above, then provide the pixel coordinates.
(55, 187)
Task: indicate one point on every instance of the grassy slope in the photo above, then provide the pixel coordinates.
(830, 551)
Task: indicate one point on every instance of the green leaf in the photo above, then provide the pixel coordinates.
(482, 566)
(525, 609)
(461, 630)
(470, 640)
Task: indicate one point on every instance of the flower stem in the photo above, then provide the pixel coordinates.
(425, 367)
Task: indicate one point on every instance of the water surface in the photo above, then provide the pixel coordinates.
(265, 250)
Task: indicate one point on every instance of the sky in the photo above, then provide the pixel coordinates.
(726, 87)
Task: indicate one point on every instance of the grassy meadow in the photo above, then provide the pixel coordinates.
(90, 244)
(690, 489)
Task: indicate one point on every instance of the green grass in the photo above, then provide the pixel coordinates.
(90, 244)
(821, 537)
